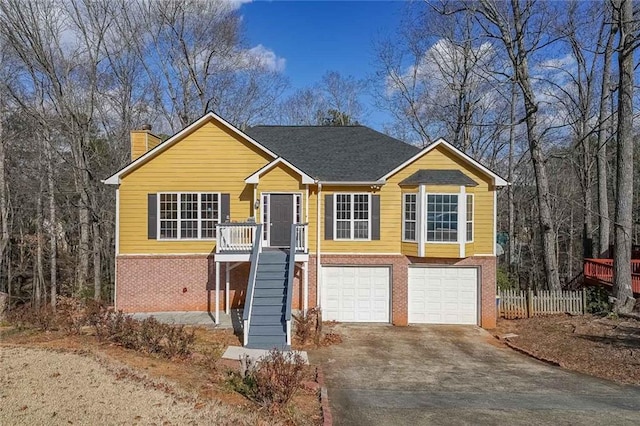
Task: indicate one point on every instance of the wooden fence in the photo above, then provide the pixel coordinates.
(525, 304)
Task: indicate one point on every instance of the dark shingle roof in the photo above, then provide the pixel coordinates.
(439, 177)
(335, 154)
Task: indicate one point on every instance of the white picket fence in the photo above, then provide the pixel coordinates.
(525, 304)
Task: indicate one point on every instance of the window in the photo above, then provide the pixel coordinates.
(409, 222)
(352, 216)
(469, 217)
(442, 217)
(189, 215)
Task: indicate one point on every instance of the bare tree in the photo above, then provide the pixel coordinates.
(623, 224)
(519, 27)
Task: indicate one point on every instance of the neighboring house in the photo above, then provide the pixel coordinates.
(383, 231)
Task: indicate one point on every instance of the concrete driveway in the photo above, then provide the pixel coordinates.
(450, 375)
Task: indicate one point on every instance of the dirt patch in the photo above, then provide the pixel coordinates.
(203, 377)
(38, 386)
(602, 347)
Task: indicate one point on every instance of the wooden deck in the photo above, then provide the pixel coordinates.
(600, 272)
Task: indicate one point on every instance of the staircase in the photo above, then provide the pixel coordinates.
(267, 324)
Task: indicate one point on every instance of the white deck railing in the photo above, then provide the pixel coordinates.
(302, 237)
(235, 237)
(239, 237)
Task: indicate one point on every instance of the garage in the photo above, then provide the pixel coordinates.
(443, 295)
(355, 293)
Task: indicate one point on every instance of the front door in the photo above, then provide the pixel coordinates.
(281, 218)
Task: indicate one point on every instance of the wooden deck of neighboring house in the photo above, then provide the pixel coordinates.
(600, 272)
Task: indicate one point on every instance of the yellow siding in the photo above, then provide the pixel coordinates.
(209, 159)
(212, 159)
(410, 249)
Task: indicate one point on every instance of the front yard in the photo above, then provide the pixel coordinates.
(600, 346)
(53, 376)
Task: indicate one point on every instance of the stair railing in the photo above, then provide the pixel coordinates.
(292, 267)
(248, 301)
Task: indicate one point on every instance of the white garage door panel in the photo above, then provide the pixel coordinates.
(355, 294)
(443, 295)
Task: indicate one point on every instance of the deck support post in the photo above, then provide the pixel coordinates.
(305, 287)
(217, 293)
(226, 288)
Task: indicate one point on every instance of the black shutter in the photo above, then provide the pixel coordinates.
(328, 217)
(375, 217)
(225, 209)
(152, 216)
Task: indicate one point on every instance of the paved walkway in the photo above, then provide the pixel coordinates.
(206, 319)
(445, 375)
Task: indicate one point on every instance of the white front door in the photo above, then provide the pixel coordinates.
(355, 293)
(443, 295)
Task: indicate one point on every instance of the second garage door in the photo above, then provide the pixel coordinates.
(443, 295)
(355, 294)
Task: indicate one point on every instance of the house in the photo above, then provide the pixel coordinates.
(276, 218)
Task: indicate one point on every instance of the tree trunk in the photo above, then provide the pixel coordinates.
(604, 223)
(624, 195)
(53, 234)
(39, 270)
(512, 209)
(4, 208)
(97, 268)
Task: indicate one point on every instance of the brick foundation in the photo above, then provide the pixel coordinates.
(158, 283)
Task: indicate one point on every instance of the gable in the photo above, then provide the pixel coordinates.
(441, 155)
(208, 120)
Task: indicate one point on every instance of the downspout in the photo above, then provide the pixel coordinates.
(318, 265)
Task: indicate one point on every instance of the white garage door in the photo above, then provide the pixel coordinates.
(443, 295)
(355, 294)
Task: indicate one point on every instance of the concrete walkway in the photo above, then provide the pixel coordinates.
(236, 352)
(205, 319)
(446, 375)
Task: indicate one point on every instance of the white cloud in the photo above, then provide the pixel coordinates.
(266, 58)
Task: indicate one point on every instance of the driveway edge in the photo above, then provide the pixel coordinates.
(327, 418)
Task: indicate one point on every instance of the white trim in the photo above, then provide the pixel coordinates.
(352, 221)
(404, 217)
(255, 177)
(306, 205)
(495, 221)
(352, 183)
(426, 220)
(217, 297)
(473, 219)
(179, 220)
(267, 225)
(318, 251)
(422, 218)
(117, 236)
(462, 219)
(497, 180)
(115, 178)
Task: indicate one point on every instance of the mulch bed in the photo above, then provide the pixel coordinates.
(598, 346)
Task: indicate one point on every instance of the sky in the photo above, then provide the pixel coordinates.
(305, 39)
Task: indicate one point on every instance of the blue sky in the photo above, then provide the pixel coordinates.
(313, 37)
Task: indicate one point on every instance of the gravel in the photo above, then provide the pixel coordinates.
(40, 387)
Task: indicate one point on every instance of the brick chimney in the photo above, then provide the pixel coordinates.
(142, 141)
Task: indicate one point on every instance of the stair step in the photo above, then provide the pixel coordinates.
(270, 283)
(271, 275)
(260, 292)
(277, 302)
(267, 330)
(267, 309)
(272, 256)
(268, 342)
(272, 267)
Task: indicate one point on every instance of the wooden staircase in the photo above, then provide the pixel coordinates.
(267, 323)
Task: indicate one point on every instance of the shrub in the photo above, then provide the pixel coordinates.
(598, 301)
(272, 381)
(307, 327)
(27, 316)
(70, 314)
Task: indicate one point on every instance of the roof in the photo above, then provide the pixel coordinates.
(335, 154)
(439, 177)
